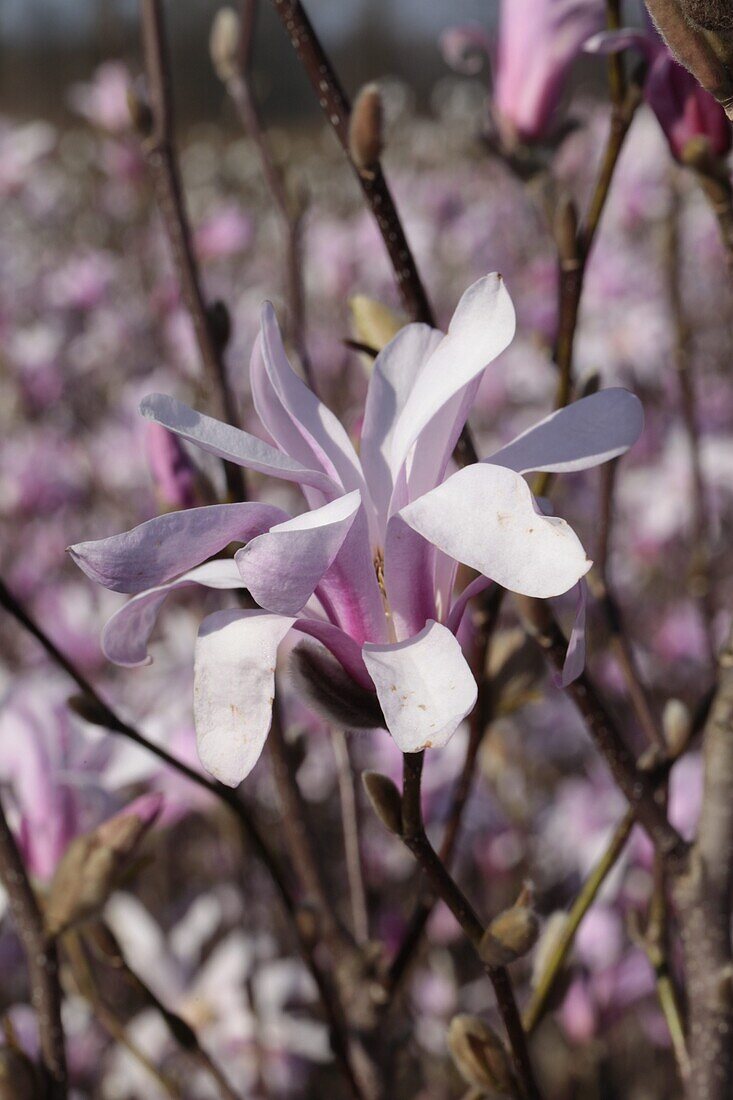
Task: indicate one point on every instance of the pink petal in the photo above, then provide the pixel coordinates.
(349, 590)
(424, 686)
(409, 574)
(234, 687)
(126, 635)
(167, 545)
(340, 644)
(396, 371)
(484, 516)
(283, 567)
(584, 434)
(230, 443)
(316, 424)
(482, 326)
(458, 608)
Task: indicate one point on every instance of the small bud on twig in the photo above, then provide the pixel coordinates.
(140, 114)
(676, 723)
(480, 1056)
(93, 864)
(512, 934)
(365, 129)
(224, 44)
(385, 799)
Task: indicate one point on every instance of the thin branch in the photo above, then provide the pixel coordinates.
(239, 85)
(350, 827)
(702, 892)
(635, 784)
(210, 323)
(588, 893)
(42, 962)
(415, 839)
(337, 109)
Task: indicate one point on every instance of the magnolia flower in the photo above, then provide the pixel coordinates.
(537, 43)
(369, 569)
(683, 108)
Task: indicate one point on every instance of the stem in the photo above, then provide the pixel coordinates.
(162, 161)
(42, 962)
(350, 826)
(702, 891)
(584, 900)
(636, 785)
(240, 88)
(337, 109)
(415, 840)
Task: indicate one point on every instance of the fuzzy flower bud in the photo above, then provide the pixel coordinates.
(94, 863)
(224, 44)
(332, 692)
(510, 935)
(365, 128)
(480, 1057)
(385, 800)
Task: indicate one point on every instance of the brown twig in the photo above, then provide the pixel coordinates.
(42, 962)
(350, 828)
(636, 785)
(238, 81)
(702, 891)
(415, 839)
(210, 322)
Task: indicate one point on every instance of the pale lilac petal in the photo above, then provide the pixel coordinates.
(584, 434)
(484, 516)
(322, 431)
(230, 443)
(481, 328)
(349, 590)
(283, 567)
(234, 688)
(126, 635)
(611, 42)
(396, 371)
(167, 545)
(424, 686)
(431, 455)
(409, 574)
(575, 656)
(458, 609)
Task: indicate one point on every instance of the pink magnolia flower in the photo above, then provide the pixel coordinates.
(683, 108)
(369, 569)
(537, 43)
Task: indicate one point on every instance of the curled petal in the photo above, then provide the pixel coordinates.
(283, 567)
(323, 433)
(230, 443)
(584, 434)
(481, 328)
(575, 656)
(234, 688)
(126, 635)
(167, 545)
(484, 516)
(424, 686)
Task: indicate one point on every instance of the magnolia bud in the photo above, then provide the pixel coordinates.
(332, 692)
(365, 129)
(510, 936)
(480, 1057)
(676, 723)
(385, 799)
(94, 863)
(18, 1078)
(224, 44)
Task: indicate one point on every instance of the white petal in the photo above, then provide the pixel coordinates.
(584, 434)
(484, 516)
(424, 686)
(234, 688)
(396, 371)
(283, 567)
(482, 326)
(230, 443)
